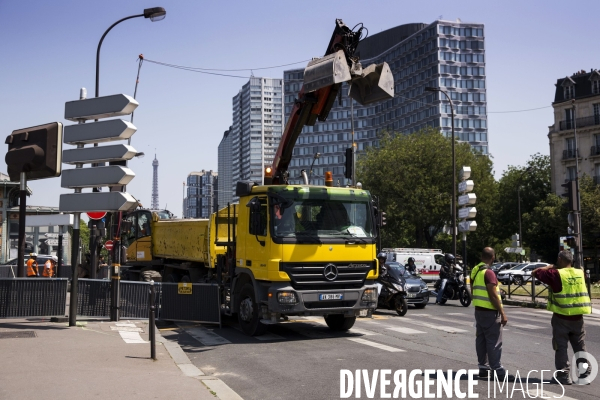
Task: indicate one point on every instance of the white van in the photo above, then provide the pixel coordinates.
(427, 261)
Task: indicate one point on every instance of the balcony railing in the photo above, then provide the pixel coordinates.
(570, 154)
(595, 151)
(579, 122)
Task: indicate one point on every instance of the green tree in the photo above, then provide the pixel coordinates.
(534, 181)
(412, 176)
(590, 211)
(544, 225)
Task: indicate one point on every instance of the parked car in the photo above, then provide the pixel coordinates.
(519, 274)
(502, 266)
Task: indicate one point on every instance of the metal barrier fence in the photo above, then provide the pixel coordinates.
(200, 304)
(134, 299)
(519, 281)
(10, 271)
(93, 297)
(32, 297)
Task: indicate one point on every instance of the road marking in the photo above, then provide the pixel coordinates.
(126, 329)
(363, 332)
(447, 329)
(458, 313)
(408, 331)
(269, 336)
(377, 345)
(205, 336)
(526, 326)
(454, 321)
(132, 337)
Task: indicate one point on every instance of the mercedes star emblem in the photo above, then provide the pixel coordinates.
(330, 272)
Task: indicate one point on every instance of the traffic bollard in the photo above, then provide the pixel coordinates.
(532, 288)
(588, 282)
(152, 325)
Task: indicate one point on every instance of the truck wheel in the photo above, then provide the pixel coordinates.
(249, 312)
(337, 322)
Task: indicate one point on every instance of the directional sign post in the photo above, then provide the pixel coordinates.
(80, 178)
(464, 214)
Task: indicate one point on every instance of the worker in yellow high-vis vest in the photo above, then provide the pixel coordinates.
(568, 299)
(489, 317)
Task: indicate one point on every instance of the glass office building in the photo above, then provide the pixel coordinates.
(445, 54)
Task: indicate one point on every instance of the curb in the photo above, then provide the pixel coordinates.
(526, 304)
(215, 385)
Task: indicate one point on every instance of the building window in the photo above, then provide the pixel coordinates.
(571, 173)
(596, 86)
(597, 113)
(569, 92)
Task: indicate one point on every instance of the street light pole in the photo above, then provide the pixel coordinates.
(436, 89)
(317, 155)
(579, 257)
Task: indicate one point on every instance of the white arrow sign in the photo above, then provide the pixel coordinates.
(88, 155)
(51, 235)
(466, 186)
(113, 175)
(100, 107)
(99, 132)
(103, 201)
(52, 242)
(467, 226)
(467, 212)
(467, 199)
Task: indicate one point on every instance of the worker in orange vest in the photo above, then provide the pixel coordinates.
(32, 266)
(48, 271)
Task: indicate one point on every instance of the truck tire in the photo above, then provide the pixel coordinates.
(150, 275)
(249, 312)
(339, 323)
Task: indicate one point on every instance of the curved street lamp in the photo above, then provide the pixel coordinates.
(154, 14)
(317, 155)
(436, 89)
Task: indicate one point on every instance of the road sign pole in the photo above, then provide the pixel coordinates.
(74, 257)
(59, 251)
(93, 252)
(22, 211)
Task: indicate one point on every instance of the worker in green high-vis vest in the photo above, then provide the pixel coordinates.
(489, 318)
(569, 300)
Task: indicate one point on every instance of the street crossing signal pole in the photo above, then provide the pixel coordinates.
(22, 211)
(579, 257)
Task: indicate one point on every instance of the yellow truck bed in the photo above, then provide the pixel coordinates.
(181, 239)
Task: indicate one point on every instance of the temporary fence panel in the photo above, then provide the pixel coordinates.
(93, 297)
(135, 299)
(198, 302)
(8, 271)
(32, 297)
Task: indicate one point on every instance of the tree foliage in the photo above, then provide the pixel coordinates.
(412, 176)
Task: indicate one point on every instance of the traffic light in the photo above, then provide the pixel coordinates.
(37, 151)
(382, 219)
(571, 242)
(349, 163)
(571, 195)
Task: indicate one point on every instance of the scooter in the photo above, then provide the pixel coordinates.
(392, 291)
(455, 289)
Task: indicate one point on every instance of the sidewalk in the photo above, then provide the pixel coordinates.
(93, 360)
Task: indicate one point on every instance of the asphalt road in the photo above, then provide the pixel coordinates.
(302, 359)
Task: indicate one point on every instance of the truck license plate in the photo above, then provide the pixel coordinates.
(331, 296)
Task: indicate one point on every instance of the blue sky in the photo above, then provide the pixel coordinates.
(48, 51)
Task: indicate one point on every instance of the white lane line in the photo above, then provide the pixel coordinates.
(448, 329)
(363, 332)
(124, 324)
(408, 331)
(377, 345)
(205, 336)
(453, 321)
(132, 337)
(527, 326)
(458, 313)
(269, 336)
(539, 313)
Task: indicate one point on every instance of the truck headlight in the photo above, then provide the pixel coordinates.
(369, 295)
(287, 298)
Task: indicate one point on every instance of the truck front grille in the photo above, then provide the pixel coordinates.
(312, 276)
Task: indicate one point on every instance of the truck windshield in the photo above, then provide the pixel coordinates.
(323, 218)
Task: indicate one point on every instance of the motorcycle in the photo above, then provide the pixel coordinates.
(455, 289)
(392, 289)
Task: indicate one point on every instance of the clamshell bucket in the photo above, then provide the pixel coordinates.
(326, 71)
(375, 84)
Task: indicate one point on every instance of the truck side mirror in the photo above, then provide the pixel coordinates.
(255, 217)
